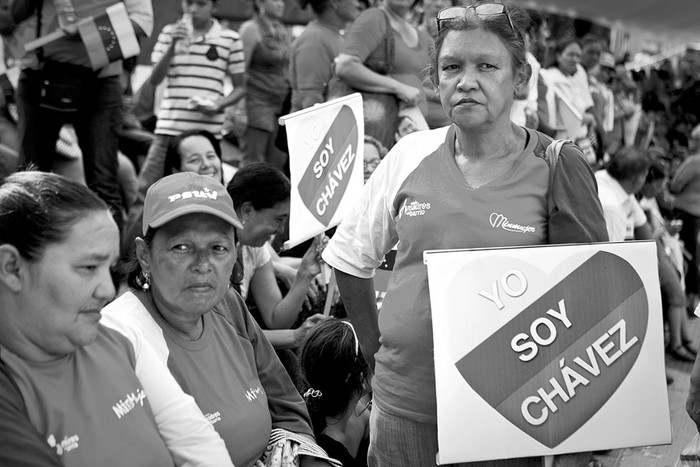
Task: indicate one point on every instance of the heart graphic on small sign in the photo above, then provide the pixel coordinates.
(329, 172)
(563, 356)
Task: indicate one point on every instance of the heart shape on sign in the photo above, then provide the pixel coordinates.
(590, 327)
(329, 172)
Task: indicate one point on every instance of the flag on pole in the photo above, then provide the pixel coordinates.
(109, 37)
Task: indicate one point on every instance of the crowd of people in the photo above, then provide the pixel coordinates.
(149, 317)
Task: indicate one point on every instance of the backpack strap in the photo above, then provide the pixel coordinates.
(552, 156)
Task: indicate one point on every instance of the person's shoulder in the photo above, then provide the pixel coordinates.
(411, 150)
(228, 33)
(370, 16)
(424, 37)
(569, 151)
(543, 141)
(128, 315)
(249, 27)
(111, 341)
(316, 32)
(581, 73)
(168, 28)
(126, 303)
(313, 35)
(551, 74)
(605, 182)
(428, 137)
(231, 311)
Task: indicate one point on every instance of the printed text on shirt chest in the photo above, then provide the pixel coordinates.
(500, 221)
(413, 209)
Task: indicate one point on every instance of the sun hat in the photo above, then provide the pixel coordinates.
(186, 193)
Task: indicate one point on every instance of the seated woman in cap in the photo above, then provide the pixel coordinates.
(73, 392)
(191, 151)
(181, 300)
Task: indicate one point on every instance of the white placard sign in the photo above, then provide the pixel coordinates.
(547, 350)
(326, 152)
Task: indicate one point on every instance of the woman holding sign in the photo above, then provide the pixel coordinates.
(481, 182)
(260, 194)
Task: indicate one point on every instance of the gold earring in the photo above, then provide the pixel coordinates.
(145, 281)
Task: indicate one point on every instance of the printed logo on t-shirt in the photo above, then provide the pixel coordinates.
(67, 445)
(126, 405)
(253, 393)
(499, 221)
(213, 417)
(413, 209)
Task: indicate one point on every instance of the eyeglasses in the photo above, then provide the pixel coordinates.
(483, 9)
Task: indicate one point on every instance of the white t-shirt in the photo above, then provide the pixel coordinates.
(253, 258)
(622, 210)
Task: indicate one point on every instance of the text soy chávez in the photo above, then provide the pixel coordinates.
(562, 387)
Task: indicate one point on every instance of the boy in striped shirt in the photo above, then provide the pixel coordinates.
(194, 96)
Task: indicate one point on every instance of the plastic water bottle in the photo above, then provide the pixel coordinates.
(183, 45)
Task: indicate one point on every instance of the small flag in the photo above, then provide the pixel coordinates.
(109, 37)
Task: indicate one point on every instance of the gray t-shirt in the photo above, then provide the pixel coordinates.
(89, 405)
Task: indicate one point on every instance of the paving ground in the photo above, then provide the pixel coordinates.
(683, 428)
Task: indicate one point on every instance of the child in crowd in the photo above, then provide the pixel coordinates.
(338, 396)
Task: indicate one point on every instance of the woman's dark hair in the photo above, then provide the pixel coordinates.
(319, 6)
(659, 166)
(559, 47)
(656, 172)
(334, 368)
(173, 157)
(628, 163)
(498, 25)
(39, 208)
(261, 184)
(132, 268)
(591, 39)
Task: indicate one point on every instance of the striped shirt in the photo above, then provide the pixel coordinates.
(201, 72)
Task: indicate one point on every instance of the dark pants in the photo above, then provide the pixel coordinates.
(689, 236)
(96, 123)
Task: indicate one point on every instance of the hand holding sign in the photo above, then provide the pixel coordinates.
(554, 347)
(311, 262)
(569, 350)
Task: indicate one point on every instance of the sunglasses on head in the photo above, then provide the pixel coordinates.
(481, 10)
